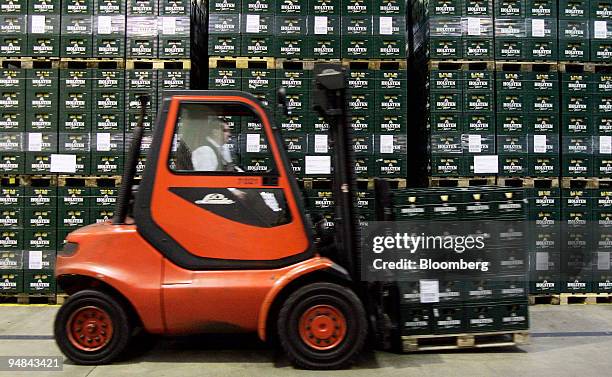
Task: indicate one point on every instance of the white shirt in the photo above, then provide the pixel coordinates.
(204, 158)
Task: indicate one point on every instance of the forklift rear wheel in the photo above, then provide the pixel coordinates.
(322, 326)
(92, 328)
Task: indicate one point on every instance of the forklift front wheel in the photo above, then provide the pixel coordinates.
(92, 328)
(322, 326)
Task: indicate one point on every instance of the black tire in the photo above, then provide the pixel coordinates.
(118, 318)
(291, 333)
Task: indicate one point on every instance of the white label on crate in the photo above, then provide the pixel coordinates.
(539, 143)
(473, 26)
(38, 24)
(320, 25)
(386, 144)
(605, 144)
(252, 143)
(317, 165)
(35, 260)
(63, 163)
(537, 27)
(386, 26)
(603, 260)
(486, 164)
(541, 261)
(320, 144)
(104, 25)
(35, 142)
(474, 143)
(169, 25)
(601, 30)
(103, 142)
(252, 23)
(429, 291)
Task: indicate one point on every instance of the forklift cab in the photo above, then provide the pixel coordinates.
(212, 247)
(196, 193)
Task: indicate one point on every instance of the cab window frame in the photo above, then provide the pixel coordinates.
(274, 173)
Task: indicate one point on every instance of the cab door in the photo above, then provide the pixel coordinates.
(201, 205)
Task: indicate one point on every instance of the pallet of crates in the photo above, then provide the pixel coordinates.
(586, 250)
(585, 112)
(29, 239)
(460, 121)
(482, 308)
(528, 124)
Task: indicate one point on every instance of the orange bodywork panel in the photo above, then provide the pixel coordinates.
(118, 256)
(173, 300)
(226, 301)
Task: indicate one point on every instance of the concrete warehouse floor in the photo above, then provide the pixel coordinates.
(572, 340)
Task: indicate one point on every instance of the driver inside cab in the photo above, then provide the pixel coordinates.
(203, 142)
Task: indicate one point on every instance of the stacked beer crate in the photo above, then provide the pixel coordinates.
(260, 46)
(71, 77)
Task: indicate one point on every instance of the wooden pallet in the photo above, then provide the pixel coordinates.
(30, 299)
(315, 183)
(533, 66)
(457, 65)
(547, 299)
(420, 343)
(578, 67)
(531, 182)
(591, 183)
(241, 62)
(76, 63)
(462, 181)
(375, 64)
(61, 298)
(304, 65)
(586, 298)
(29, 63)
(157, 64)
(369, 183)
(29, 180)
(90, 180)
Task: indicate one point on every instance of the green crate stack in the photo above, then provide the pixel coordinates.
(39, 238)
(13, 103)
(44, 25)
(452, 29)
(601, 23)
(602, 270)
(577, 124)
(574, 32)
(66, 103)
(481, 301)
(526, 30)
(576, 244)
(11, 227)
(76, 33)
(528, 123)
(461, 120)
(322, 30)
(545, 242)
(13, 28)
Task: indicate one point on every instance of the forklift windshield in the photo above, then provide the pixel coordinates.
(206, 139)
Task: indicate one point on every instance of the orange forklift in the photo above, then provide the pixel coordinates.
(203, 246)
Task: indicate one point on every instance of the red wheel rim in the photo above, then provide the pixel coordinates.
(322, 327)
(89, 328)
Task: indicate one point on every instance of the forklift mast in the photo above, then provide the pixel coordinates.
(329, 95)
